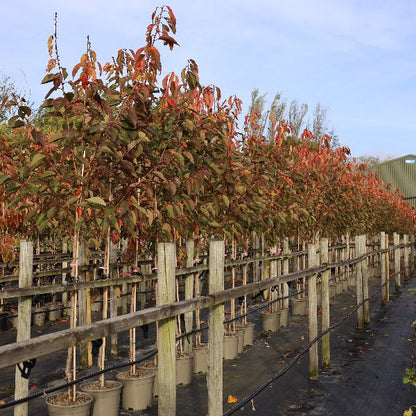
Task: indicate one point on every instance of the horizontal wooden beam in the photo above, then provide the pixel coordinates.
(12, 354)
(15, 353)
(46, 344)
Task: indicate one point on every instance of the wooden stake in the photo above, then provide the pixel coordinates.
(24, 316)
(132, 332)
(244, 310)
(365, 280)
(286, 251)
(326, 349)
(313, 315)
(232, 302)
(198, 340)
(397, 275)
(189, 294)
(215, 331)
(113, 297)
(383, 278)
(406, 256)
(82, 305)
(387, 254)
(166, 253)
(359, 285)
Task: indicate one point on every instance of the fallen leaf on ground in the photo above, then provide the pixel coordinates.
(231, 399)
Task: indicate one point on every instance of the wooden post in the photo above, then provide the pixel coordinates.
(113, 297)
(364, 272)
(359, 284)
(412, 253)
(166, 254)
(215, 331)
(313, 315)
(383, 279)
(347, 257)
(125, 286)
(406, 253)
(387, 254)
(142, 294)
(263, 264)
(326, 350)
(286, 251)
(272, 272)
(342, 255)
(64, 266)
(24, 317)
(256, 267)
(397, 275)
(189, 294)
(88, 303)
(82, 303)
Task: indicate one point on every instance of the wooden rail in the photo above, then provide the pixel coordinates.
(45, 344)
(166, 310)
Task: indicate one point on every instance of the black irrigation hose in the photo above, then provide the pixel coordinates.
(77, 381)
(264, 306)
(97, 373)
(68, 307)
(14, 315)
(241, 404)
(297, 358)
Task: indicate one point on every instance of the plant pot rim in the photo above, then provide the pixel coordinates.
(140, 375)
(249, 323)
(117, 384)
(184, 356)
(147, 365)
(66, 406)
(200, 346)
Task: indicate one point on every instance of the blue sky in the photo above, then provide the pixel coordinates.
(357, 58)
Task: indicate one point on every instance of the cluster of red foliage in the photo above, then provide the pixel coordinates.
(116, 153)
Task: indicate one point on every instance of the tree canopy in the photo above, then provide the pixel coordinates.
(118, 151)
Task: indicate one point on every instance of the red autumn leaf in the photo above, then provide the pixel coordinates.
(170, 101)
(168, 40)
(84, 81)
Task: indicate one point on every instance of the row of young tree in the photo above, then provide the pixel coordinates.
(116, 153)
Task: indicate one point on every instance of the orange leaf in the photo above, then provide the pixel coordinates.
(231, 399)
(50, 45)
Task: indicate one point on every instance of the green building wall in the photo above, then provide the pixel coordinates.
(401, 173)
